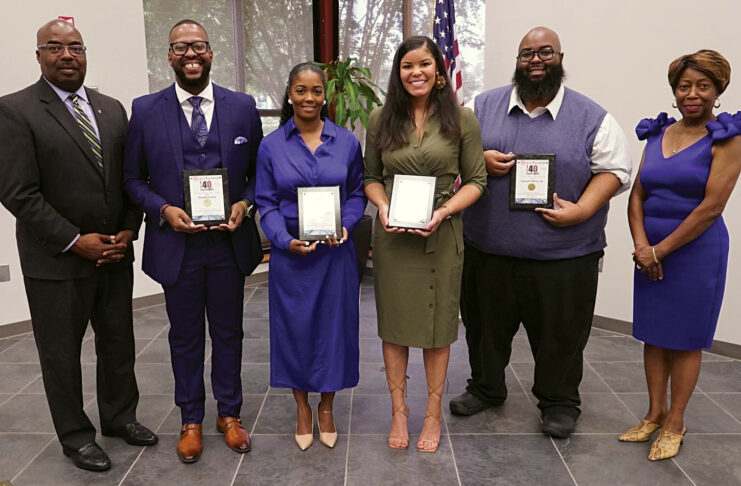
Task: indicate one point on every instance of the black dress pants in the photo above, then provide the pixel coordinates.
(553, 299)
(60, 311)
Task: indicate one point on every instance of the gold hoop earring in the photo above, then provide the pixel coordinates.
(717, 103)
(674, 103)
(440, 82)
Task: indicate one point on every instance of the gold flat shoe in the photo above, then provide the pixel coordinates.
(666, 445)
(640, 433)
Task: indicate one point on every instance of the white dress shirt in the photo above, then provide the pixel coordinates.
(610, 151)
(207, 105)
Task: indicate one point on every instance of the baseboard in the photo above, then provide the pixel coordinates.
(722, 348)
(24, 327)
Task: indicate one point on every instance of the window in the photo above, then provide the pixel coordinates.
(215, 16)
(371, 30)
(276, 35)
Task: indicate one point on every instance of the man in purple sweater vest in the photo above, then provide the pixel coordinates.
(538, 267)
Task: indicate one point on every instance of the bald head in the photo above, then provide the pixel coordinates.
(55, 26)
(62, 69)
(540, 36)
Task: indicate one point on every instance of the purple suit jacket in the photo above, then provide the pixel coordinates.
(153, 168)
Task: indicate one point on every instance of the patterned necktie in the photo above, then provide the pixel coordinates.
(198, 122)
(87, 129)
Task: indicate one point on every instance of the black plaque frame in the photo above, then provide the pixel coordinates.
(225, 188)
(551, 158)
(337, 232)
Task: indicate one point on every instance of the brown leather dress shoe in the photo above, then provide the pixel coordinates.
(190, 445)
(235, 436)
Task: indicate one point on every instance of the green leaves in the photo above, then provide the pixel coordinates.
(352, 91)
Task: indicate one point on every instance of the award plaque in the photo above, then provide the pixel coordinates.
(319, 215)
(412, 201)
(207, 196)
(531, 181)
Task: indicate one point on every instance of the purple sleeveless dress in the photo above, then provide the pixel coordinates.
(681, 311)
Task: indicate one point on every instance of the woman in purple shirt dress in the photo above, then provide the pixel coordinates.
(688, 171)
(313, 288)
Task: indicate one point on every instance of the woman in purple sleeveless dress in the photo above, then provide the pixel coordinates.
(687, 174)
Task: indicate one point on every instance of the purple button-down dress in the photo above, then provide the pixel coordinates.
(313, 298)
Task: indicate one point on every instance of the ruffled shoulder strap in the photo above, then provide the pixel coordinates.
(725, 126)
(653, 126)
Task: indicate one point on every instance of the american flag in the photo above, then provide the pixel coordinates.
(444, 34)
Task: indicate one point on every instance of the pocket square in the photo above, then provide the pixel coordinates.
(240, 140)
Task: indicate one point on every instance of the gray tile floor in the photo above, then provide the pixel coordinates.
(496, 447)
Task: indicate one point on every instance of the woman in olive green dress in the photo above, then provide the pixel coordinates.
(420, 130)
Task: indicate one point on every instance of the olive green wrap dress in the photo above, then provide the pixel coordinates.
(417, 280)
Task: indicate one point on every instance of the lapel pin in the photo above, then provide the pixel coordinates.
(100, 111)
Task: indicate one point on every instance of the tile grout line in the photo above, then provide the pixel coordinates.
(349, 431)
(34, 458)
(718, 404)
(136, 459)
(452, 451)
(45, 447)
(553, 443)
(241, 456)
(20, 390)
(634, 415)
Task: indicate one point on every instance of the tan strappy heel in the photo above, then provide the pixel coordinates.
(398, 441)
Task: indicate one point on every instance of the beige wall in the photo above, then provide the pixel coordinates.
(617, 53)
(114, 33)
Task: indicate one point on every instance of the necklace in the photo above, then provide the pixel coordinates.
(679, 139)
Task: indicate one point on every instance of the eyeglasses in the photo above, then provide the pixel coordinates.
(57, 49)
(544, 53)
(180, 48)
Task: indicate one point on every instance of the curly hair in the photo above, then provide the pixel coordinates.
(286, 111)
(711, 63)
(397, 110)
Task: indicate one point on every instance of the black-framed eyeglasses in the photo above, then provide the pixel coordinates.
(57, 49)
(544, 53)
(180, 48)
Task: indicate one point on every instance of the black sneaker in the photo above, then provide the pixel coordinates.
(467, 404)
(559, 425)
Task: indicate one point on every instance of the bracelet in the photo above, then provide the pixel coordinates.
(244, 205)
(653, 251)
(450, 214)
(164, 208)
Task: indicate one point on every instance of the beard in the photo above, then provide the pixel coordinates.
(545, 89)
(198, 82)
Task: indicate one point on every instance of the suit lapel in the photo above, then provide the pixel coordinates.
(171, 113)
(104, 132)
(59, 111)
(224, 120)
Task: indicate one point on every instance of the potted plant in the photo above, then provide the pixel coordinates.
(350, 91)
(351, 96)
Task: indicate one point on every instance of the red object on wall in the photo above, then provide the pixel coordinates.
(71, 20)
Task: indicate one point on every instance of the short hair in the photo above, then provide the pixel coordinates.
(711, 63)
(184, 22)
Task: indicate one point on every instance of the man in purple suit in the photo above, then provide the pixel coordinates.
(196, 125)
